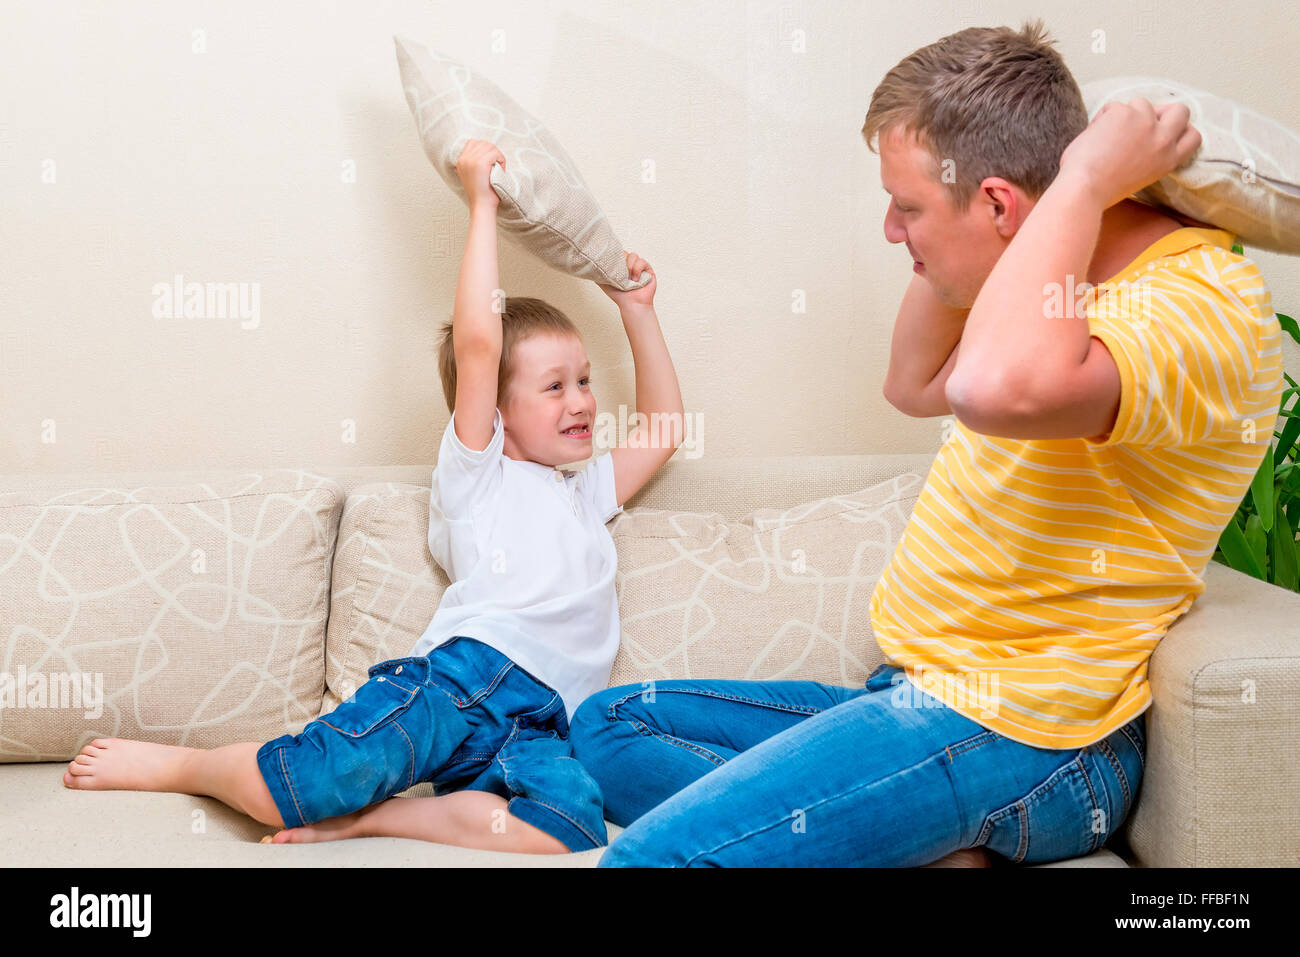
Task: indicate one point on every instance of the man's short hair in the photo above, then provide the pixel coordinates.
(993, 101)
(521, 319)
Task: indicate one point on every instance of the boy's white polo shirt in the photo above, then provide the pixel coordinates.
(530, 560)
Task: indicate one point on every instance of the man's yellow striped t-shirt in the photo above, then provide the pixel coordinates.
(1035, 577)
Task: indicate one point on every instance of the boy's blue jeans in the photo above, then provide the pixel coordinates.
(800, 773)
(465, 717)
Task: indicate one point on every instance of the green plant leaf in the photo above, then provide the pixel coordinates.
(1257, 542)
(1286, 441)
(1289, 324)
(1261, 493)
(1282, 549)
(1236, 552)
(1236, 248)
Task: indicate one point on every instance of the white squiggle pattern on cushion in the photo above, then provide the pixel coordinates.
(101, 581)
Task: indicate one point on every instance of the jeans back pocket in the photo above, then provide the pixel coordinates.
(1056, 820)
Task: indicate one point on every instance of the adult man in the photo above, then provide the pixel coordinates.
(1102, 443)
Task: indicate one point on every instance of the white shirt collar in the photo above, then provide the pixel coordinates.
(543, 471)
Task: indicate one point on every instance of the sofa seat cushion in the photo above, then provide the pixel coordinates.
(140, 829)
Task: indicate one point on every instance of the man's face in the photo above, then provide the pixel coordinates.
(957, 251)
(549, 392)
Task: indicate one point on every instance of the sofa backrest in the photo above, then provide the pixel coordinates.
(193, 607)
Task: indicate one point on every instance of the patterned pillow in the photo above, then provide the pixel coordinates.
(545, 205)
(1245, 177)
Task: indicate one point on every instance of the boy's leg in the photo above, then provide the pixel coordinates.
(358, 754)
(474, 819)
(228, 773)
(515, 785)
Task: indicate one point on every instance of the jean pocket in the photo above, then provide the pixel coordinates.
(380, 700)
(1065, 816)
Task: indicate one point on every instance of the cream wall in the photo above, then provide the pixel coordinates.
(228, 166)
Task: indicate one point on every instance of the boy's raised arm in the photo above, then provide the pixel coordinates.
(658, 396)
(476, 319)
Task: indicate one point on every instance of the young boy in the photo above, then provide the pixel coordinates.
(528, 628)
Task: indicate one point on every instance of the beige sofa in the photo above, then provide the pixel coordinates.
(237, 605)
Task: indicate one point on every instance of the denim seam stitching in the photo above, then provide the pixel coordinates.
(1136, 747)
(726, 697)
(288, 780)
(477, 695)
(1021, 807)
(504, 762)
(551, 807)
(410, 774)
(1105, 748)
(975, 741)
(1092, 795)
(644, 729)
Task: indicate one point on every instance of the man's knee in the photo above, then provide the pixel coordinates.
(594, 721)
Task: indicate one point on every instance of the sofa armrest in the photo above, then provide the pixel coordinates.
(1222, 781)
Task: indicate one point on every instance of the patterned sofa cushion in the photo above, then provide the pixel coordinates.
(779, 593)
(190, 614)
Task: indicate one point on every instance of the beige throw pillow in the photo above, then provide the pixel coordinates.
(1245, 177)
(545, 205)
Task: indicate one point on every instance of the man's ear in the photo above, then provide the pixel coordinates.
(1006, 204)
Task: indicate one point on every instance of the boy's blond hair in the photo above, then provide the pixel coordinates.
(521, 319)
(991, 100)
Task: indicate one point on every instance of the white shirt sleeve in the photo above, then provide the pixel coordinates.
(464, 480)
(596, 486)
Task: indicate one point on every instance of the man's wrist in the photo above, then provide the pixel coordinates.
(1078, 189)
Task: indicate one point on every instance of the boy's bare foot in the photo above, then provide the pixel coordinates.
(108, 764)
(966, 857)
(329, 829)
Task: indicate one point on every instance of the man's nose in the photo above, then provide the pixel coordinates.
(894, 231)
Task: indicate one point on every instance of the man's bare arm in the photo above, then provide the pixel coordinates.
(923, 353)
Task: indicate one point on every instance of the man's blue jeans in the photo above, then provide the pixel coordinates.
(800, 773)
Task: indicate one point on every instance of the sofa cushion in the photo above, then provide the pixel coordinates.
(1244, 178)
(139, 829)
(779, 593)
(545, 204)
(190, 614)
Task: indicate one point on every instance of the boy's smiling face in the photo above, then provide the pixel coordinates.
(549, 393)
(957, 251)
